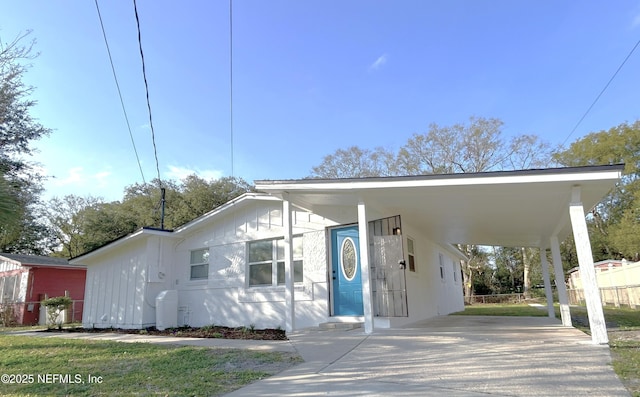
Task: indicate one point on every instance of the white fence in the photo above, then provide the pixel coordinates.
(628, 295)
(31, 313)
(619, 285)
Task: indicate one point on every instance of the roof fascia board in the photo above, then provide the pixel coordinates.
(455, 251)
(43, 265)
(277, 186)
(15, 262)
(123, 240)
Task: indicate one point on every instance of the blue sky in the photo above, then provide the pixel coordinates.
(309, 77)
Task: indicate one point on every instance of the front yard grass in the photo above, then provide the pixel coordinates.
(88, 368)
(623, 326)
(500, 309)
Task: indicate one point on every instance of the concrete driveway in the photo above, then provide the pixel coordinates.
(450, 355)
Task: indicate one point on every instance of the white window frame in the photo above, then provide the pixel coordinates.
(411, 254)
(204, 264)
(442, 272)
(275, 262)
(455, 271)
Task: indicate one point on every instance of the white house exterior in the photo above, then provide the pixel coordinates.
(124, 277)
(375, 250)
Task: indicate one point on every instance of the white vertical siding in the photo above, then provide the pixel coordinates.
(115, 288)
(8, 265)
(21, 295)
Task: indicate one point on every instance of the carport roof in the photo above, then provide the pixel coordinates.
(505, 208)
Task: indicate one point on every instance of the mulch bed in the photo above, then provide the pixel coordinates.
(212, 331)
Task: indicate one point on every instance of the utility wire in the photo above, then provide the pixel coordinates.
(146, 87)
(231, 79)
(115, 78)
(601, 92)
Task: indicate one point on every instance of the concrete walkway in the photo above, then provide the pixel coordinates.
(453, 356)
(450, 355)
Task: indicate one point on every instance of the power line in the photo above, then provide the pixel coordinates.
(601, 92)
(115, 78)
(231, 79)
(146, 87)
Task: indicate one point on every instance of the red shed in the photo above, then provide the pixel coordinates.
(25, 280)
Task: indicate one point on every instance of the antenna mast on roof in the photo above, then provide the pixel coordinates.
(162, 202)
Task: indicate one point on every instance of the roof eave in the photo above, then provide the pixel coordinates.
(120, 241)
(482, 178)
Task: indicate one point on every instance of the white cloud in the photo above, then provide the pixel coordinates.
(74, 177)
(180, 173)
(101, 178)
(78, 177)
(636, 21)
(382, 59)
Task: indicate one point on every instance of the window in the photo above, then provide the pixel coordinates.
(441, 257)
(411, 254)
(200, 264)
(455, 273)
(266, 261)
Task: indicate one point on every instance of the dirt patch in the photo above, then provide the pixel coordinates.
(212, 331)
(624, 334)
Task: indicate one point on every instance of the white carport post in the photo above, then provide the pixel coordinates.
(547, 281)
(289, 299)
(587, 272)
(563, 298)
(363, 233)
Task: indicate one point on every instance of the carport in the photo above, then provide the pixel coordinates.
(527, 208)
(465, 356)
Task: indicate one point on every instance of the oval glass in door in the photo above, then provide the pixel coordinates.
(348, 259)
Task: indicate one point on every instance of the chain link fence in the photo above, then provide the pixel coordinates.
(627, 295)
(497, 298)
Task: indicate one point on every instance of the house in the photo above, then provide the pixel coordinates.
(380, 251)
(618, 281)
(25, 280)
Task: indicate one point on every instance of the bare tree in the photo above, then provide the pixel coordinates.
(355, 162)
(476, 146)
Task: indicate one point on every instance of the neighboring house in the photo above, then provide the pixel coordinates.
(619, 282)
(25, 280)
(381, 251)
(574, 273)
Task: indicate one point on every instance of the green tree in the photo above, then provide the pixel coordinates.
(67, 217)
(106, 222)
(8, 203)
(612, 223)
(82, 224)
(509, 269)
(200, 196)
(23, 233)
(144, 203)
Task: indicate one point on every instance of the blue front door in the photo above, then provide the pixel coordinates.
(346, 272)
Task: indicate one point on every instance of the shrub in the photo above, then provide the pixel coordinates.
(7, 315)
(55, 306)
